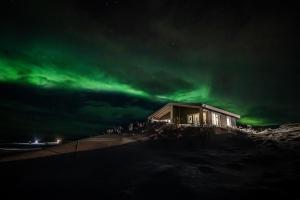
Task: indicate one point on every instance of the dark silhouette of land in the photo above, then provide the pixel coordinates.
(190, 163)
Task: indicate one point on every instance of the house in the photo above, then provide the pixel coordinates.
(194, 114)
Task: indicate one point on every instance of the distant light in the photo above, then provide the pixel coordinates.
(58, 141)
(36, 141)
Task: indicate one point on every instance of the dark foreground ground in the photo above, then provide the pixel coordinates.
(189, 164)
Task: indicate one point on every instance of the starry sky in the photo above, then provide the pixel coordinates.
(77, 67)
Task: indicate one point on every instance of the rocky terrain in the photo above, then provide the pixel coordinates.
(285, 134)
(164, 162)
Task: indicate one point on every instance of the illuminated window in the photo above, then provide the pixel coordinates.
(215, 119)
(204, 118)
(190, 119)
(228, 120)
(196, 119)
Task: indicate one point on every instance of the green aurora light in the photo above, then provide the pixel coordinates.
(48, 76)
(81, 67)
(113, 68)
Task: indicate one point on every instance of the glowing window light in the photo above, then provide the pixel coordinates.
(228, 121)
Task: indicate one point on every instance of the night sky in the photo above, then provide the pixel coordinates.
(76, 67)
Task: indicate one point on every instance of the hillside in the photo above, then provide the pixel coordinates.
(163, 163)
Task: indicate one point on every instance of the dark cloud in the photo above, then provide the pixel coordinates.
(68, 61)
(33, 111)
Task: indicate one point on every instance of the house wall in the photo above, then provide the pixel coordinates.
(208, 116)
(201, 115)
(180, 113)
(223, 119)
(233, 121)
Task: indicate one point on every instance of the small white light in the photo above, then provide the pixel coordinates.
(36, 142)
(58, 141)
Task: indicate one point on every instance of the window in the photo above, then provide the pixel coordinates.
(190, 119)
(204, 118)
(215, 119)
(228, 120)
(196, 119)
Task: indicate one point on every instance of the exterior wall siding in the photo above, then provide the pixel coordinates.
(201, 116)
(223, 120)
(179, 114)
(233, 121)
(209, 121)
(183, 112)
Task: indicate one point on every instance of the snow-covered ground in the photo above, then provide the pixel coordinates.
(284, 134)
(163, 162)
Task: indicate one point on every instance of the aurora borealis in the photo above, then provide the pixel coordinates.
(80, 66)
